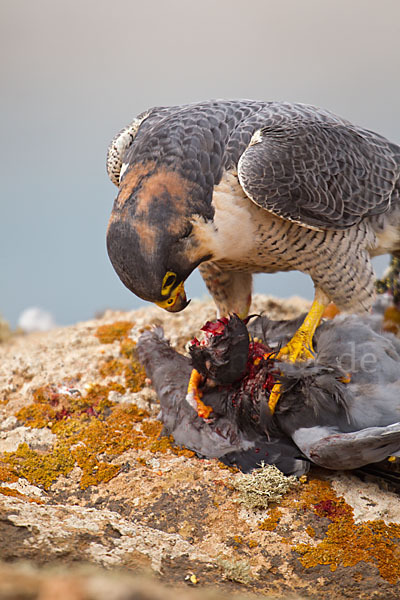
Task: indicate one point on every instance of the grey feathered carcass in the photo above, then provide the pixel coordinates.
(339, 411)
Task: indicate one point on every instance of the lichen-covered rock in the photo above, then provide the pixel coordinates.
(86, 477)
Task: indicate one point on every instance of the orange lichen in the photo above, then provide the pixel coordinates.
(310, 531)
(41, 412)
(152, 428)
(50, 406)
(91, 430)
(237, 540)
(81, 438)
(166, 444)
(7, 475)
(314, 492)
(271, 522)
(93, 471)
(346, 542)
(107, 334)
(135, 377)
(128, 348)
(111, 367)
(128, 365)
(232, 469)
(86, 427)
(6, 491)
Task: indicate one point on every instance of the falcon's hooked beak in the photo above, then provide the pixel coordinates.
(176, 298)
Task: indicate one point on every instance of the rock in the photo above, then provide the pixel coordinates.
(85, 478)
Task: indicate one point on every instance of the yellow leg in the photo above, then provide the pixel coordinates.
(193, 395)
(300, 346)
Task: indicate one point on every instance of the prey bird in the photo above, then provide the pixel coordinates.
(340, 410)
(236, 187)
(232, 429)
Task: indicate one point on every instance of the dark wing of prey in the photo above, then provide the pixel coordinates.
(317, 169)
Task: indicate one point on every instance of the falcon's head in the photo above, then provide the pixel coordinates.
(150, 240)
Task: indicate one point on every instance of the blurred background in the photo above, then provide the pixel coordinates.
(74, 73)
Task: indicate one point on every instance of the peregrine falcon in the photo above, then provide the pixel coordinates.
(237, 187)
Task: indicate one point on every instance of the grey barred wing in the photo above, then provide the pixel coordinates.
(323, 174)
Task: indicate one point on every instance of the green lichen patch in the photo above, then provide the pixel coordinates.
(263, 486)
(236, 570)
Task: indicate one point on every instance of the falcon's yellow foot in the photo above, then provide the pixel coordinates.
(300, 346)
(193, 395)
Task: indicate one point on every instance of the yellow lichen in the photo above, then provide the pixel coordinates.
(49, 406)
(232, 469)
(128, 365)
(41, 468)
(91, 431)
(271, 522)
(86, 427)
(7, 475)
(107, 334)
(97, 395)
(81, 438)
(346, 542)
(40, 413)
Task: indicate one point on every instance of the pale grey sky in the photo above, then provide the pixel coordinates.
(74, 72)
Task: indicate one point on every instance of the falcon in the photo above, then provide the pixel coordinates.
(236, 187)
